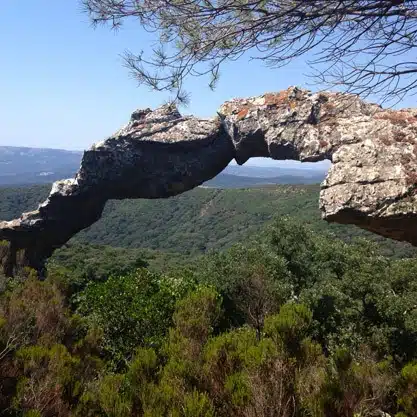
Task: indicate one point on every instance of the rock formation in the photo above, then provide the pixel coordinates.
(158, 154)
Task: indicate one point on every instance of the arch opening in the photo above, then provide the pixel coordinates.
(372, 182)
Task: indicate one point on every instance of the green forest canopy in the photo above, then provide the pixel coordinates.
(199, 220)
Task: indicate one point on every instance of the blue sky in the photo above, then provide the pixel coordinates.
(63, 85)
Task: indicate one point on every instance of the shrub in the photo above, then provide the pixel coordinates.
(133, 310)
(408, 390)
(50, 380)
(289, 327)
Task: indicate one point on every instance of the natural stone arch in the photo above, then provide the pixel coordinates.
(158, 154)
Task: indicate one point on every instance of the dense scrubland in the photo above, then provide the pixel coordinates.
(284, 319)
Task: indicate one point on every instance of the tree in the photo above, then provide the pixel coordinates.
(364, 46)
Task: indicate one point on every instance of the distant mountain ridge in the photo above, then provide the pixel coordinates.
(21, 165)
(300, 170)
(225, 180)
(25, 166)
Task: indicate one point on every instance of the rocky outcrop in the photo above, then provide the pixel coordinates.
(158, 154)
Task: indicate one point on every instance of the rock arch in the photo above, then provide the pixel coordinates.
(372, 182)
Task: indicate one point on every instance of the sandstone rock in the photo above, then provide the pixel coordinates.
(158, 154)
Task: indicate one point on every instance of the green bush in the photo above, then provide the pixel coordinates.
(408, 390)
(290, 326)
(133, 310)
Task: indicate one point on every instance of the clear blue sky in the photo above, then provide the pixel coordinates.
(62, 83)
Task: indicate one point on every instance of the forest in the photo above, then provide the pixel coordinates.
(286, 319)
(197, 221)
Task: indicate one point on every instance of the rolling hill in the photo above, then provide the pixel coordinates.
(199, 220)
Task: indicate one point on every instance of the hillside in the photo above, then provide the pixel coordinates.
(199, 220)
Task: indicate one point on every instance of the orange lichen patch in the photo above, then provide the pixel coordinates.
(276, 99)
(237, 107)
(401, 118)
(138, 125)
(242, 113)
(230, 108)
(323, 143)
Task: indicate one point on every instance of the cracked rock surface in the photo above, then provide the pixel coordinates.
(372, 182)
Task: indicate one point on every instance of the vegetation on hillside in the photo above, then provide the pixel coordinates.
(293, 323)
(15, 200)
(200, 220)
